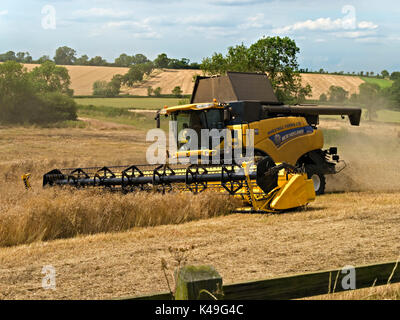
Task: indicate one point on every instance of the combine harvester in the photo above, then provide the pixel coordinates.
(288, 165)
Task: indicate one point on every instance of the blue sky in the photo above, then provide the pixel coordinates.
(334, 35)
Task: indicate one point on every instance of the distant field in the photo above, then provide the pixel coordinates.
(383, 83)
(83, 77)
(130, 103)
(383, 116)
(389, 116)
(321, 83)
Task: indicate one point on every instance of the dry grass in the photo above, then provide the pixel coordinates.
(40, 214)
(385, 292)
(337, 230)
(55, 214)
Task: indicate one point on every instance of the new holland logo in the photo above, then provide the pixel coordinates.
(277, 139)
(282, 137)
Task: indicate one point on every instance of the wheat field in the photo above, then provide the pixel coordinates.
(106, 246)
(83, 77)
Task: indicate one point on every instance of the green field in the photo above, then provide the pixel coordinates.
(131, 103)
(383, 83)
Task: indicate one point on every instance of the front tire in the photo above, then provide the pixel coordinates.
(317, 177)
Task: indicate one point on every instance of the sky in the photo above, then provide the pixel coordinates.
(360, 35)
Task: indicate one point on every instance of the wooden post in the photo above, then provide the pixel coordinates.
(198, 283)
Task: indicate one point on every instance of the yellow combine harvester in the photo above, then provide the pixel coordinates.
(285, 171)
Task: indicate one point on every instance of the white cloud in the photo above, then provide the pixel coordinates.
(101, 13)
(367, 25)
(136, 29)
(354, 34)
(236, 2)
(326, 24)
(200, 19)
(255, 22)
(213, 32)
(3, 12)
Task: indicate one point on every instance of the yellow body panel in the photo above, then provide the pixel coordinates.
(297, 138)
(297, 192)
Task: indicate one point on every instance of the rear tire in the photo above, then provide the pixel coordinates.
(317, 177)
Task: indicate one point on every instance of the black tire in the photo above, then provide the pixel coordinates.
(318, 178)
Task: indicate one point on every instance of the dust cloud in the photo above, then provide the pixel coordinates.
(371, 153)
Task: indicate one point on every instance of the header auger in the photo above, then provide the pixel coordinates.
(264, 187)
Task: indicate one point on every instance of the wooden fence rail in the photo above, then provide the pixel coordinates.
(302, 285)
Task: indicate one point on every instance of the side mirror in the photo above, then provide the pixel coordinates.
(158, 121)
(227, 115)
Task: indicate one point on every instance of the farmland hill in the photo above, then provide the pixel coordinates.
(83, 77)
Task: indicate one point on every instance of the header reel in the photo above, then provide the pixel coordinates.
(265, 187)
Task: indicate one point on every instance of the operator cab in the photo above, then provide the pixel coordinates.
(196, 120)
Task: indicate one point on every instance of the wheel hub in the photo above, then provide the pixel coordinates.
(316, 181)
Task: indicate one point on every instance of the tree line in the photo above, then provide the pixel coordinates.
(41, 96)
(384, 74)
(275, 56)
(68, 56)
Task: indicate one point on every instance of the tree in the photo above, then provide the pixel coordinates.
(97, 61)
(179, 64)
(149, 91)
(161, 61)
(394, 92)
(82, 61)
(275, 56)
(139, 59)
(337, 94)
(177, 92)
(108, 89)
(100, 88)
(385, 74)
(21, 101)
(157, 91)
(370, 96)
(215, 65)
(194, 65)
(43, 59)
(49, 77)
(395, 76)
(135, 74)
(114, 86)
(8, 56)
(65, 56)
(23, 57)
(123, 61)
(147, 67)
(323, 98)
(126, 61)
